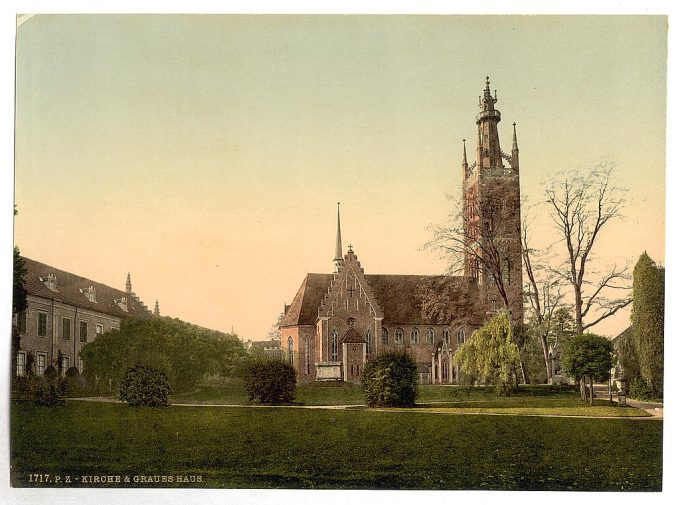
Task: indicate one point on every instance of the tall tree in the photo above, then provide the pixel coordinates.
(580, 207)
(544, 301)
(647, 318)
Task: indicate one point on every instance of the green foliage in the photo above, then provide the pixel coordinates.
(639, 389)
(185, 352)
(270, 381)
(647, 318)
(390, 380)
(19, 293)
(145, 386)
(491, 355)
(46, 392)
(587, 355)
(51, 374)
(72, 378)
(627, 355)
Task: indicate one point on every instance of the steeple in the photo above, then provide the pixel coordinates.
(128, 284)
(156, 309)
(338, 245)
(514, 155)
(488, 147)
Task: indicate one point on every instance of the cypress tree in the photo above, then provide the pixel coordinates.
(647, 318)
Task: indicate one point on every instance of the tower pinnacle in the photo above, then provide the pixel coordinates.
(156, 309)
(465, 163)
(338, 245)
(128, 284)
(514, 137)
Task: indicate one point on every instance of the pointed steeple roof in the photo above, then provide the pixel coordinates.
(465, 162)
(514, 137)
(128, 284)
(338, 245)
(156, 309)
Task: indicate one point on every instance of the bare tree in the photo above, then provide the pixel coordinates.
(580, 207)
(544, 301)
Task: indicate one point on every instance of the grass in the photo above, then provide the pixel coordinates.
(364, 449)
(535, 399)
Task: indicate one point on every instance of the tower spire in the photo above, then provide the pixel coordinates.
(489, 153)
(338, 245)
(128, 284)
(156, 309)
(514, 155)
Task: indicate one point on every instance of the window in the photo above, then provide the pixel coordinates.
(430, 336)
(42, 324)
(98, 329)
(307, 367)
(369, 341)
(385, 336)
(40, 359)
(334, 346)
(21, 364)
(290, 350)
(447, 335)
(66, 328)
(83, 331)
(461, 336)
(399, 336)
(415, 336)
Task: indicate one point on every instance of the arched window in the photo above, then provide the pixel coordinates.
(385, 336)
(307, 361)
(447, 335)
(461, 336)
(399, 336)
(415, 336)
(334, 346)
(369, 341)
(290, 350)
(430, 336)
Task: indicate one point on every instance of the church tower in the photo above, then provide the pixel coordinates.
(491, 214)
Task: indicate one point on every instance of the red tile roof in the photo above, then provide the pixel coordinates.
(398, 295)
(68, 291)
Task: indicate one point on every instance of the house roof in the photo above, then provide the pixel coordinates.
(69, 288)
(398, 296)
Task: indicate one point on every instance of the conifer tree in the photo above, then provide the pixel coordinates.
(647, 318)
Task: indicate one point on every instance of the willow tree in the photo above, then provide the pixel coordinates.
(648, 318)
(491, 355)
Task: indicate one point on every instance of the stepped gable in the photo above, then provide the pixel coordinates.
(68, 290)
(303, 308)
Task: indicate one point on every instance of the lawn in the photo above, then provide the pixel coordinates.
(535, 399)
(310, 448)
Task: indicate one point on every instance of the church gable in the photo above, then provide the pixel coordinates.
(349, 292)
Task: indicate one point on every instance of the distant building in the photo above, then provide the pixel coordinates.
(268, 348)
(64, 312)
(337, 321)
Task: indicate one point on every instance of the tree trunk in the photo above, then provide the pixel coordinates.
(591, 390)
(578, 310)
(546, 357)
(523, 369)
(582, 388)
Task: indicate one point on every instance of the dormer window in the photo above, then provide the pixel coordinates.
(122, 303)
(50, 282)
(90, 293)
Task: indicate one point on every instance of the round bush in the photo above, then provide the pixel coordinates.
(45, 394)
(390, 380)
(146, 386)
(50, 374)
(269, 381)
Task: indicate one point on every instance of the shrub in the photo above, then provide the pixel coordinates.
(269, 381)
(390, 380)
(73, 378)
(640, 389)
(45, 393)
(146, 386)
(51, 374)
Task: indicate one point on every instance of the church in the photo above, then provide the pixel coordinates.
(338, 320)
